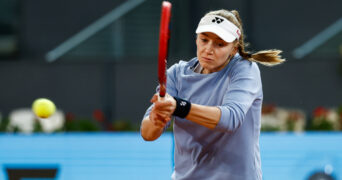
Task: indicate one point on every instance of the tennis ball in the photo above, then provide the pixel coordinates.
(43, 107)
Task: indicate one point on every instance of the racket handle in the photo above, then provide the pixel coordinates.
(162, 90)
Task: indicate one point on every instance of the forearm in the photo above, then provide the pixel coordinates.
(149, 131)
(207, 116)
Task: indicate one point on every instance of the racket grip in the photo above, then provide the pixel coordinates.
(162, 90)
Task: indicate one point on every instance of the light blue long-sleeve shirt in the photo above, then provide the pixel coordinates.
(231, 150)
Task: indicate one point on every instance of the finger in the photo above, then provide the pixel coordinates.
(168, 119)
(158, 116)
(159, 122)
(163, 117)
(154, 98)
(163, 105)
(165, 111)
(161, 113)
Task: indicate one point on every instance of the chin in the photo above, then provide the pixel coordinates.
(205, 65)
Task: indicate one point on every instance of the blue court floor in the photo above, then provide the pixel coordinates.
(127, 156)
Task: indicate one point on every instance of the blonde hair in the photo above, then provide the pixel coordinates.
(266, 57)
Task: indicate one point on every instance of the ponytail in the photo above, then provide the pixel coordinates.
(266, 57)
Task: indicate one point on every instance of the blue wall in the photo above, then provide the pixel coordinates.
(127, 156)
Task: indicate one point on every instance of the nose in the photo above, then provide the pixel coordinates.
(209, 48)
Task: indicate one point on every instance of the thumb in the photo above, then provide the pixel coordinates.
(154, 98)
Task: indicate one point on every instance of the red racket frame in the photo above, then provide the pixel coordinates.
(164, 36)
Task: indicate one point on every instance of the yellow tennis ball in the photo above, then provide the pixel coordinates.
(43, 108)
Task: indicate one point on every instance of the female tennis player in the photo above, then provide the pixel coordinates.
(215, 100)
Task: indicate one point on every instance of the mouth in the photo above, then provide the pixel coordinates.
(207, 59)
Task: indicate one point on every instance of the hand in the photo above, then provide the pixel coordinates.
(162, 110)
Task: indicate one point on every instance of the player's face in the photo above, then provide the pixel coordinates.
(213, 52)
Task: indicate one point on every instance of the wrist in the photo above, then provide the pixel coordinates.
(182, 107)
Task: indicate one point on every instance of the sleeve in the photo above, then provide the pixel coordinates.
(244, 88)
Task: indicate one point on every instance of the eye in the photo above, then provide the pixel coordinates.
(220, 43)
(204, 40)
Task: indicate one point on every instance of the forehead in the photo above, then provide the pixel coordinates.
(211, 35)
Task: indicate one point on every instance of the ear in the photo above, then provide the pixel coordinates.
(235, 49)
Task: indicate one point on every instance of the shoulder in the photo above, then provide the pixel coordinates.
(247, 74)
(182, 65)
(244, 66)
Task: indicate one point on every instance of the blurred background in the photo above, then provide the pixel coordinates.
(97, 61)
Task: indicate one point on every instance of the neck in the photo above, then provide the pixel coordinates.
(207, 71)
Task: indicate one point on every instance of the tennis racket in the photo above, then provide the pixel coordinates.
(164, 36)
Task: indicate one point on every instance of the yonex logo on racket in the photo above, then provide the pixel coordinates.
(217, 20)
